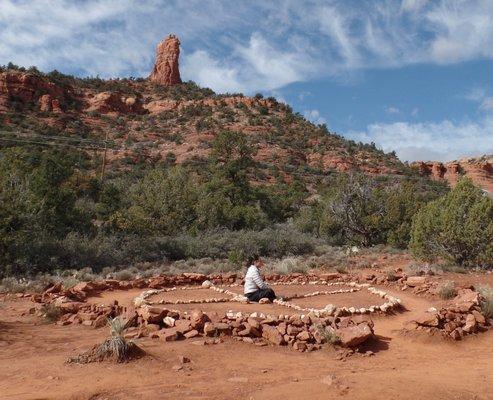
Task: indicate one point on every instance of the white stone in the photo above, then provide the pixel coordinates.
(139, 301)
(206, 284)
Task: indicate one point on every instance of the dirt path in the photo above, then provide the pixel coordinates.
(32, 366)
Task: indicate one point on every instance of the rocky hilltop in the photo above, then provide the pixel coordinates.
(161, 119)
(479, 169)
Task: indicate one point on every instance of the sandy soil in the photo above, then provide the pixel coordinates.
(32, 356)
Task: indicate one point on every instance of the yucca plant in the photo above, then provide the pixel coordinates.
(115, 348)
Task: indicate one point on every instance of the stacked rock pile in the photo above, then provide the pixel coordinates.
(460, 317)
(301, 332)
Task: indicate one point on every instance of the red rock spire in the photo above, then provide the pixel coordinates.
(166, 70)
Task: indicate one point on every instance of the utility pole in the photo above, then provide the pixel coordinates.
(103, 166)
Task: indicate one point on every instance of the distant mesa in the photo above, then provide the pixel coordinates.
(166, 69)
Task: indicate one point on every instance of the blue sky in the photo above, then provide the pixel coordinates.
(414, 76)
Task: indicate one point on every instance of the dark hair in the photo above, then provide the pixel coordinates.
(251, 259)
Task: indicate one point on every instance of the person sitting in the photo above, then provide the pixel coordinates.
(255, 288)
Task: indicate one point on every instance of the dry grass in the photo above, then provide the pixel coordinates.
(391, 277)
(51, 312)
(289, 265)
(447, 290)
(328, 335)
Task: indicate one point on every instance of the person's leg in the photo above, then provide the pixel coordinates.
(255, 296)
(271, 295)
(260, 294)
(267, 293)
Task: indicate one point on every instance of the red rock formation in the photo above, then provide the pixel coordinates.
(166, 71)
(24, 88)
(480, 170)
(107, 102)
(438, 170)
(48, 104)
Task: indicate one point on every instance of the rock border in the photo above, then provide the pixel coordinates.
(330, 310)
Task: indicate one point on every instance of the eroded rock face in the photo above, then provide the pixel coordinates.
(166, 70)
(480, 170)
(48, 104)
(107, 102)
(25, 87)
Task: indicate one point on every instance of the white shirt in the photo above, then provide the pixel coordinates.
(253, 280)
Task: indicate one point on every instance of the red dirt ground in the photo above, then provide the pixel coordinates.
(32, 356)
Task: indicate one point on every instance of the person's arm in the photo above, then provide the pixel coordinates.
(258, 280)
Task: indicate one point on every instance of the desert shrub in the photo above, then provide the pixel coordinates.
(417, 269)
(486, 293)
(342, 269)
(289, 265)
(391, 277)
(78, 251)
(51, 312)
(328, 335)
(447, 290)
(161, 203)
(124, 275)
(236, 257)
(366, 211)
(457, 227)
(274, 242)
(13, 285)
(38, 200)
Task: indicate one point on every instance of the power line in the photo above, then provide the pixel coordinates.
(25, 141)
(62, 138)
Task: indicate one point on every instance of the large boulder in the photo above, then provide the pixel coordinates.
(272, 335)
(152, 314)
(114, 102)
(413, 281)
(354, 335)
(427, 319)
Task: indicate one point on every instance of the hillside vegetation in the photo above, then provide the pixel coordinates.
(109, 173)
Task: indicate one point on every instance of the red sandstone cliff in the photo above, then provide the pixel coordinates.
(166, 70)
(479, 169)
(24, 88)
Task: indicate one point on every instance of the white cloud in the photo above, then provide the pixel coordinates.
(478, 95)
(209, 72)
(440, 141)
(413, 5)
(272, 66)
(314, 116)
(487, 104)
(463, 30)
(392, 110)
